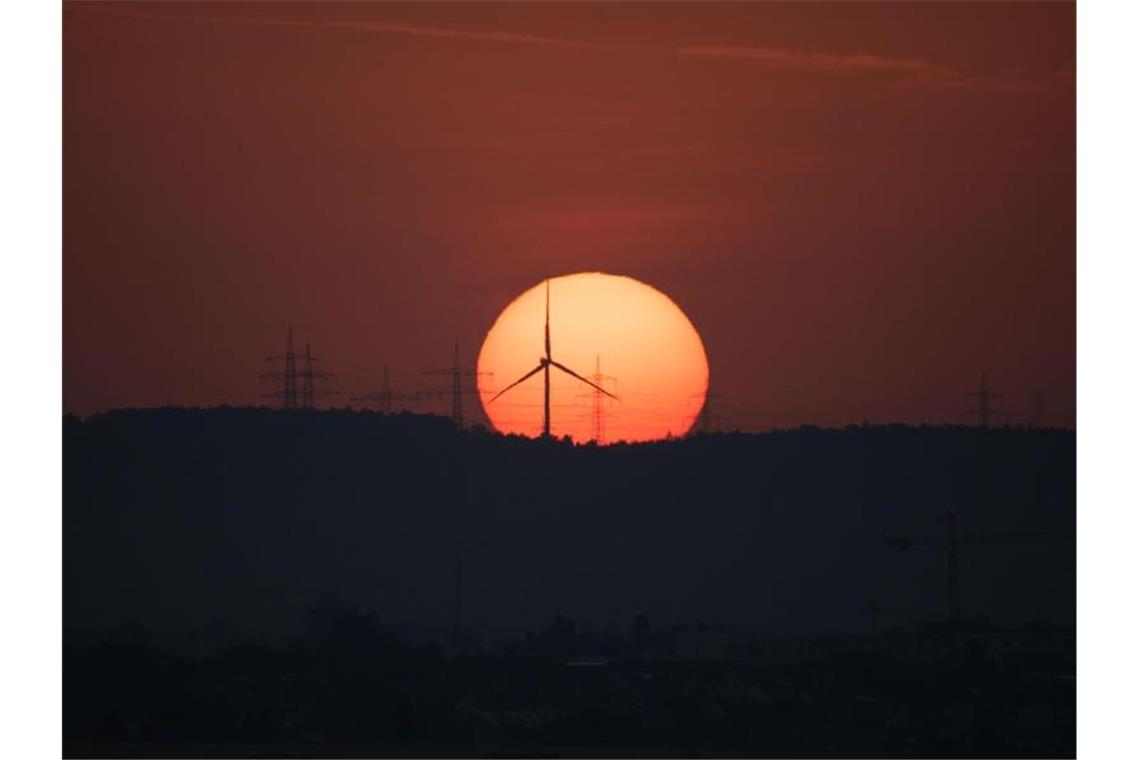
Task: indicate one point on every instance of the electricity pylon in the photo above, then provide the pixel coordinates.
(984, 410)
(288, 393)
(707, 420)
(385, 398)
(308, 392)
(457, 373)
(598, 411)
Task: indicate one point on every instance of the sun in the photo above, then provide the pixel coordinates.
(608, 333)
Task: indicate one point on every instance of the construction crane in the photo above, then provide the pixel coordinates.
(953, 542)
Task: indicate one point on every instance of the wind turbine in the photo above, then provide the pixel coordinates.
(544, 365)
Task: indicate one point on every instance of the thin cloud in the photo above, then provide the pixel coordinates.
(366, 27)
(912, 69)
(913, 72)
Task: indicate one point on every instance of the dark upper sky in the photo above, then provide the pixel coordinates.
(860, 206)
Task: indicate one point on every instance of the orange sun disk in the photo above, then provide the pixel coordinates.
(622, 334)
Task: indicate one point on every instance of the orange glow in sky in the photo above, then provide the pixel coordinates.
(650, 357)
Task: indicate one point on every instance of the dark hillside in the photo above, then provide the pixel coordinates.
(187, 520)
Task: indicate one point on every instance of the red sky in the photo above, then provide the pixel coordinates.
(861, 207)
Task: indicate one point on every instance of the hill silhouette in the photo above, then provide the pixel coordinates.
(207, 524)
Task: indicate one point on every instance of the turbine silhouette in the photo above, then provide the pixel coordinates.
(544, 365)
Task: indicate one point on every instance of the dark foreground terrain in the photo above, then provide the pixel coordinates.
(354, 691)
(244, 582)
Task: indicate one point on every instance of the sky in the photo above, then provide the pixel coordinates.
(860, 207)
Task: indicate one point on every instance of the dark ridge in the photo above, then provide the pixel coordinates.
(177, 517)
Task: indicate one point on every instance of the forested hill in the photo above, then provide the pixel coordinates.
(176, 519)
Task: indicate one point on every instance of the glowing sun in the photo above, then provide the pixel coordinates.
(607, 335)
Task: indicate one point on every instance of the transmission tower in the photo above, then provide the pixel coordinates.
(288, 393)
(457, 373)
(1034, 420)
(385, 398)
(598, 398)
(308, 376)
(984, 411)
(707, 420)
(386, 393)
(599, 421)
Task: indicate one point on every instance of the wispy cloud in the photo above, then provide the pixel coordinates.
(899, 71)
(365, 27)
(913, 70)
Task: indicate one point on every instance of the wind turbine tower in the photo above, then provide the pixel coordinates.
(544, 365)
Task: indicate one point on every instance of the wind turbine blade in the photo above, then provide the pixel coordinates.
(534, 371)
(569, 371)
(548, 318)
